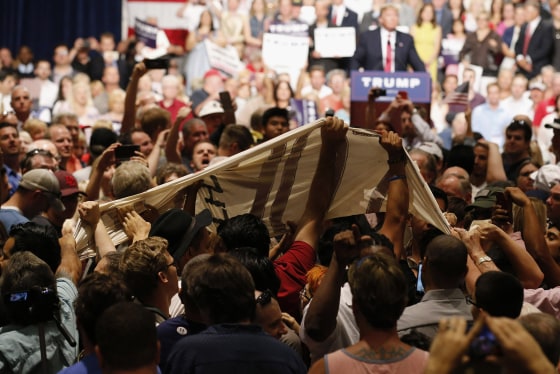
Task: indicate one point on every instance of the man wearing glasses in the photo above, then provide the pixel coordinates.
(39, 159)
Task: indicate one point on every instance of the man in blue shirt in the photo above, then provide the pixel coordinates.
(490, 119)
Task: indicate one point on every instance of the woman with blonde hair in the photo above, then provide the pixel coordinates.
(80, 103)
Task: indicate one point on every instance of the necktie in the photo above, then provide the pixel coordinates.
(526, 40)
(334, 17)
(388, 55)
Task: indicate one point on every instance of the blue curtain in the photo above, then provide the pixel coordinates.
(42, 24)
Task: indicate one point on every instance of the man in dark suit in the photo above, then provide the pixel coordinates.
(341, 16)
(444, 17)
(535, 45)
(385, 48)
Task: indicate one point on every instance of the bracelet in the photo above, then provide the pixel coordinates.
(396, 177)
(484, 259)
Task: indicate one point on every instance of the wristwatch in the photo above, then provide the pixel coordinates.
(484, 259)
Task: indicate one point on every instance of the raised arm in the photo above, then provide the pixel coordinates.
(153, 157)
(129, 117)
(534, 236)
(495, 170)
(397, 194)
(70, 265)
(423, 129)
(321, 191)
(171, 152)
(476, 253)
(294, 264)
(229, 111)
(100, 165)
(525, 267)
(320, 319)
(90, 214)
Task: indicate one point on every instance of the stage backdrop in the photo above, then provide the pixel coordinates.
(42, 24)
(272, 181)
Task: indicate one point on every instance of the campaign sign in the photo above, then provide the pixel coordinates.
(417, 85)
(145, 32)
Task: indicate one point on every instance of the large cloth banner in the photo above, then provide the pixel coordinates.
(272, 181)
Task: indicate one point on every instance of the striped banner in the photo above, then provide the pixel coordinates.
(272, 181)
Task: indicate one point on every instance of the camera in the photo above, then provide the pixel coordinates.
(485, 344)
(39, 304)
(378, 92)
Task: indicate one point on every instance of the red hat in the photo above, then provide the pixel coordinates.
(67, 182)
(213, 73)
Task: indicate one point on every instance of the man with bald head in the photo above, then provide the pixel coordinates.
(21, 104)
(457, 186)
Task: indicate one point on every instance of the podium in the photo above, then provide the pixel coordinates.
(417, 85)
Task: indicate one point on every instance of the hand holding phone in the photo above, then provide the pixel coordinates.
(505, 204)
(125, 152)
(225, 99)
(157, 63)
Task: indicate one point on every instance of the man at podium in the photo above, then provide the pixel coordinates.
(385, 48)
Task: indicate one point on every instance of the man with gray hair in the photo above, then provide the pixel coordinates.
(131, 178)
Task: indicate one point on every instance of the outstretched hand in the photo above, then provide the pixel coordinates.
(392, 143)
(89, 212)
(333, 131)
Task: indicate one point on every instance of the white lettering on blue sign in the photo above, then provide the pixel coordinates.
(389, 82)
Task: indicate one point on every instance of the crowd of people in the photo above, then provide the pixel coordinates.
(383, 291)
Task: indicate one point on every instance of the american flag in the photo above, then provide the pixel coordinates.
(459, 97)
(167, 18)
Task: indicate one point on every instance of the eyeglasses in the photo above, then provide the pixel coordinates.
(521, 122)
(264, 298)
(172, 264)
(38, 151)
(470, 301)
(42, 152)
